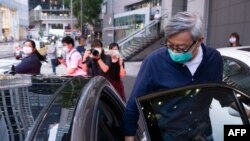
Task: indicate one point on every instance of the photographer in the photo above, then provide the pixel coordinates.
(73, 58)
(95, 62)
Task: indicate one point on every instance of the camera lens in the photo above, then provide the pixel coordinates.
(95, 52)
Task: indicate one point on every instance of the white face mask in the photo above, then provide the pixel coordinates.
(65, 49)
(27, 50)
(115, 53)
(232, 40)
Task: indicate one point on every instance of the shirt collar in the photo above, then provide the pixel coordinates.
(72, 50)
(197, 58)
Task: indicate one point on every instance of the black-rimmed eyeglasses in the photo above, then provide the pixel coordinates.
(180, 48)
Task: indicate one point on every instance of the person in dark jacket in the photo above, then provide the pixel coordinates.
(184, 61)
(31, 64)
(81, 47)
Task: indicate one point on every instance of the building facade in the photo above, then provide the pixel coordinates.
(16, 116)
(54, 20)
(13, 19)
(43, 3)
(121, 18)
(225, 17)
(221, 18)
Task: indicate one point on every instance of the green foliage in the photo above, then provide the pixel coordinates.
(90, 12)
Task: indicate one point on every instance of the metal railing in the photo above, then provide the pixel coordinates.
(56, 18)
(140, 38)
(139, 31)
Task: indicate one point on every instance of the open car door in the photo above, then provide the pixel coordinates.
(197, 112)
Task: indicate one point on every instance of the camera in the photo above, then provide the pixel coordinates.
(11, 71)
(59, 54)
(95, 52)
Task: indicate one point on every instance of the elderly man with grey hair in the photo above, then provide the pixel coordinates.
(185, 60)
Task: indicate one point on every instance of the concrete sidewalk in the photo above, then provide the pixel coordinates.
(47, 69)
(131, 68)
(6, 50)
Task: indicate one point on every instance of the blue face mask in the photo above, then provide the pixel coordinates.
(180, 57)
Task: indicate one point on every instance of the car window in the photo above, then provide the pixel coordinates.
(195, 113)
(22, 99)
(109, 119)
(54, 123)
(237, 73)
(233, 67)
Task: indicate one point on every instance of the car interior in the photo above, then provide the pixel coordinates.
(238, 72)
(153, 108)
(109, 120)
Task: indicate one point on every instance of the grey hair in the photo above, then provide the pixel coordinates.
(184, 21)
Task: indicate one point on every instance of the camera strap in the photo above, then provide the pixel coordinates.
(70, 58)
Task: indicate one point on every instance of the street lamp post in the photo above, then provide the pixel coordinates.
(81, 15)
(71, 17)
(113, 25)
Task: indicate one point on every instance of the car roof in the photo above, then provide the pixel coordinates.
(239, 53)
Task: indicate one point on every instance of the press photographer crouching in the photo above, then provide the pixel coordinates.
(95, 62)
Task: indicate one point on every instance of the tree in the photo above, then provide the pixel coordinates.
(90, 12)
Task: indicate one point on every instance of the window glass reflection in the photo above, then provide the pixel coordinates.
(237, 74)
(192, 114)
(56, 125)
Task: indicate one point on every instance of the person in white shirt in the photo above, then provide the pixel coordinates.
(73, 60)
(157, 17)
(51, 53)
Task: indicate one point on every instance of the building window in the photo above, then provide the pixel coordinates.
(146, 3)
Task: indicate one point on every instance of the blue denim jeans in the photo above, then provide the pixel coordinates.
(53, 64)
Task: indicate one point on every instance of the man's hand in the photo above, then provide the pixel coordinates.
(233, 105)
(248, 113)
(129, 138)
(62, 61)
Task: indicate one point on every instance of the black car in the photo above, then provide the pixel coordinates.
(60, 108)
(158, 108)
(89, 109)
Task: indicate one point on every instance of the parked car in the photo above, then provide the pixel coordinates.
(61, 108)
(87, 109)
(156, 109)
(237, 67)
(45, 39)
